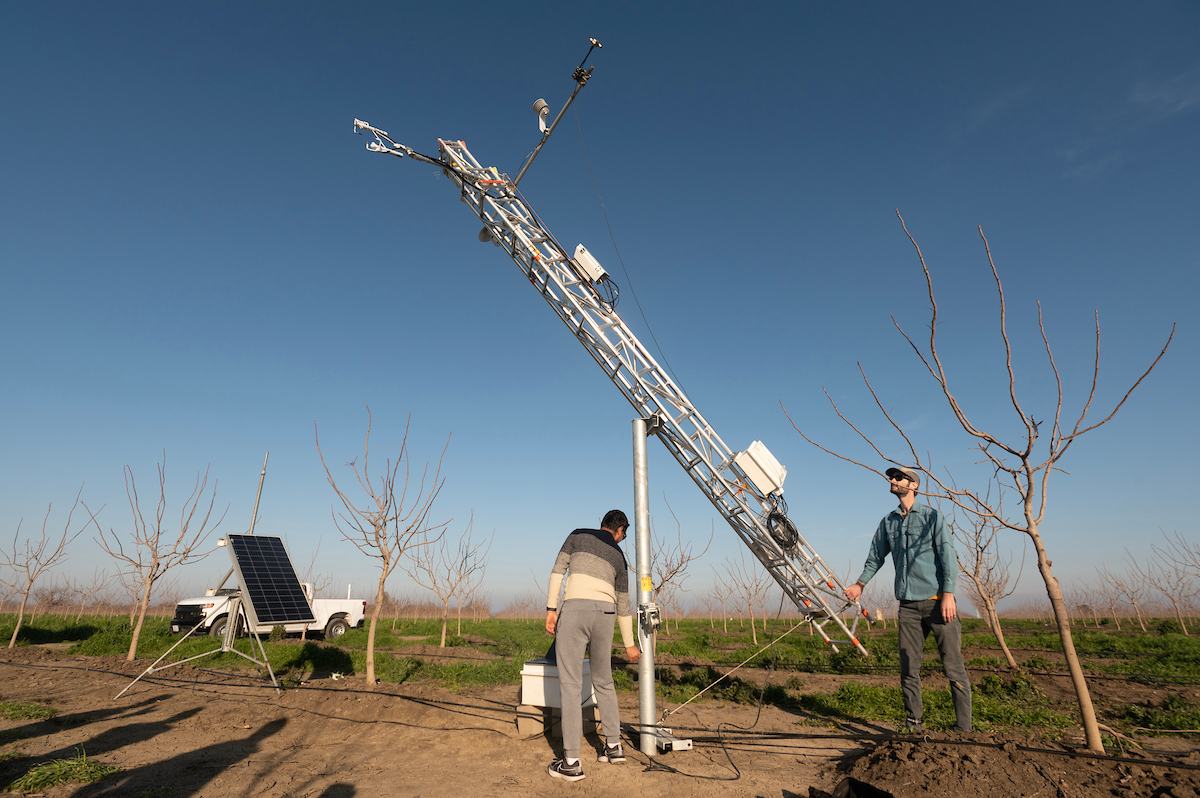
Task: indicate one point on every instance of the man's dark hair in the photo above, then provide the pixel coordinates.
(614, 520)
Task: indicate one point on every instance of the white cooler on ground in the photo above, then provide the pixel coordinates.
(539, 685)
(540, 710)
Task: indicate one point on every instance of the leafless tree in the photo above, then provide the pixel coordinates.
(85, 593)
(1013, 462)
(669, 564)
(1185, 553)
(320, 582)
(129, 589)
(722, 590)
(1108, 595)
(447, 572)
(156, 549)
(751, 586)
(527, 604)
(709, 604)
(387, 524)
(986, 569)
(478, 600)
(879, 595)
(1132, 588)
(29, 559)
(49, 599)
(1168, 576)
(1079, 601)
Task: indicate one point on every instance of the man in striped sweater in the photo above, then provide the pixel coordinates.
(596, 599)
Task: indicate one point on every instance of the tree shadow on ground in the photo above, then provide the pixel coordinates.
(321, 661)
(189, 773)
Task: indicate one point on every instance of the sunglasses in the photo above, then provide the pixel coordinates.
(900, 478)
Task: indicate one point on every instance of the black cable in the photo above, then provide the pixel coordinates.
(721, 740)
(783, 530)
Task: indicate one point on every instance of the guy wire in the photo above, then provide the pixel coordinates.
(621, 260)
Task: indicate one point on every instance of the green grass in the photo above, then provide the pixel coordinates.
(48, 629)
(25, 710)
(995, 702)
(679, 686)
(1175, 713)
(1001, 699)
(62, 771)
(986, 662)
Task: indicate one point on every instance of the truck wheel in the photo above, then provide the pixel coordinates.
(218, 627)
(336, 628)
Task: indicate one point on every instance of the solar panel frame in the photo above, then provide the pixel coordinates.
(271, 592)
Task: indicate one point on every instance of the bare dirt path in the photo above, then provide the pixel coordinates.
(197, 732)
(206, 733)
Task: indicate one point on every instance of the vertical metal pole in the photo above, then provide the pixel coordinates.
(258, 496)
(645, 631)
(253, 519)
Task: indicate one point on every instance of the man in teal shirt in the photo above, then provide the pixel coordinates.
(922, 550)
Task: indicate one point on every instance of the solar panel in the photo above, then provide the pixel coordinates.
(271, 593)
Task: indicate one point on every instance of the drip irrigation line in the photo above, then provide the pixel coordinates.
(719, 738)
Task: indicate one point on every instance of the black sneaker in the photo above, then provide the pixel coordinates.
(613, 754)
(559, 769)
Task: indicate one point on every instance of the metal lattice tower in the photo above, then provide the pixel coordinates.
(583, 300)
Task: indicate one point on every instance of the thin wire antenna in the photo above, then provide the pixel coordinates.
(628, 281)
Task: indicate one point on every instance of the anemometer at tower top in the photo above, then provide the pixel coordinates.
(745, 487)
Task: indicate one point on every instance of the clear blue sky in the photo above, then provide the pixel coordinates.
(198, 255)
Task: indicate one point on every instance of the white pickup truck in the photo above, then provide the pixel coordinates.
(211, 613)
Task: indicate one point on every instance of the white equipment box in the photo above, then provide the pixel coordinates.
(539, 685)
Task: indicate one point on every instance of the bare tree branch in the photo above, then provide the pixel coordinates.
(447, 573)
(669, 564)
(384, 528)
(154, 552)
(1015, 460)
(35, 558)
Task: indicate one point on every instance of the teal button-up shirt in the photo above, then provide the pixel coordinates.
(922, 550)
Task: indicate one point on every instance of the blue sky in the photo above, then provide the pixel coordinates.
(199, 256)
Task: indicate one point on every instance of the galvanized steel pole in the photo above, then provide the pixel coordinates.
(645, 630)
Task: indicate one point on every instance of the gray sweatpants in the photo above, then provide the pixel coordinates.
(586, 624)
(916, 619)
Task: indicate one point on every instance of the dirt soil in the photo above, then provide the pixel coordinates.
(191, 731)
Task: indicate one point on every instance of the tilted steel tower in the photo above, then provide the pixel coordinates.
(745, 487)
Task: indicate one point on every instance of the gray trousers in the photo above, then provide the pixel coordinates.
(586, 624)
(916, 619)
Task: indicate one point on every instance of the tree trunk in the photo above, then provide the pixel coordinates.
(1087, 712)
(20, 617)
(445, 621)
(993, 621)
(371, 631)
(1138, 611)
(143, 605)
(1179, 616)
